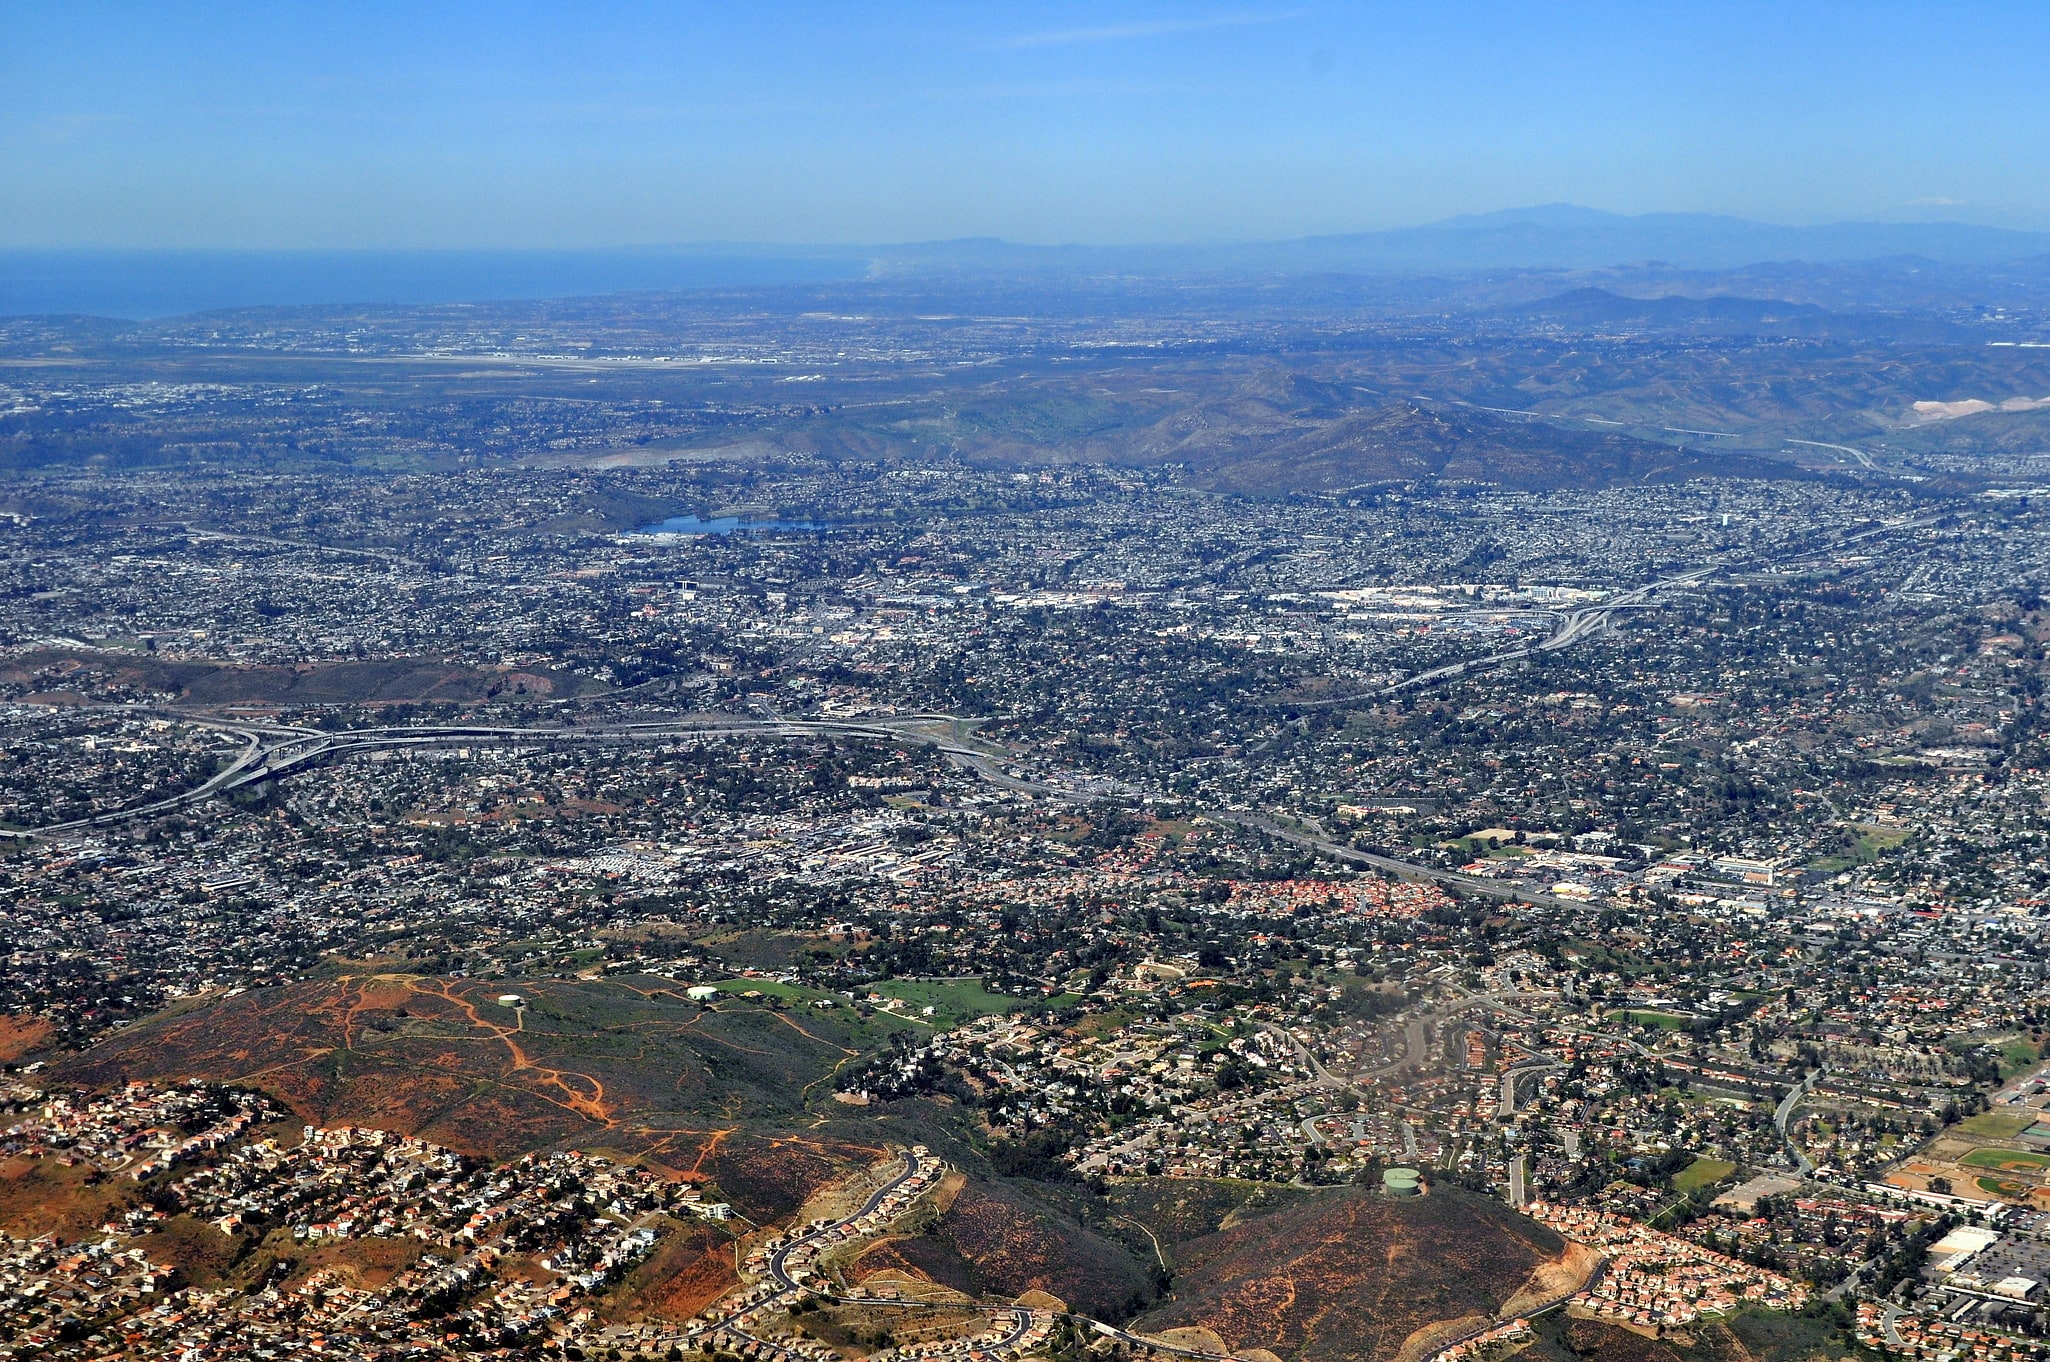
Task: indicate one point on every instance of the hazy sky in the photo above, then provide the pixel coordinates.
(586, 124)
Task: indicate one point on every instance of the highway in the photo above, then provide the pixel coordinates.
(273, 752)
(1574, 626)
(1586, 621)
(256, 739)
(271, 541)
(1860, 455)
(1408, 870)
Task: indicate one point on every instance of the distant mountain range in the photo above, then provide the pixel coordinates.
(1559, 236)
(1599, 309)
(1556, 236)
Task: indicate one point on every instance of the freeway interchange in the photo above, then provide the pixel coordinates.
(271, 752)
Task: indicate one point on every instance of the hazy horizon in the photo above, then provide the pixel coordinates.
(517, 127)
(137, 284)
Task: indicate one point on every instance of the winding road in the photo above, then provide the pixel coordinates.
(1784, 1114)
(779, 1261)
(787, 1285)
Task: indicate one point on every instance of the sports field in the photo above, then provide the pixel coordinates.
(1665, 1021)
(1997, 1125)
(2007, 1160)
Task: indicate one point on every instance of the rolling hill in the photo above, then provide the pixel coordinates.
(625, 1064)
(735, 1095)
(1350, 1274)
(1416, 441)
(998, 1237)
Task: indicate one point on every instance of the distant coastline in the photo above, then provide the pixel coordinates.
(133, 284)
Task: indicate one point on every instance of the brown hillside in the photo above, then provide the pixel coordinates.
(1352, 1274)
(925, 1257)
(621, 1064)
(1601, 1342)
(687, 1273)
(1176, 1210)
(23, 1034)
(998, 1239)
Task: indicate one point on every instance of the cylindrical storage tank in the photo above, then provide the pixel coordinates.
(1400, 1182)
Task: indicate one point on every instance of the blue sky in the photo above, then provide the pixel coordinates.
(511, 125)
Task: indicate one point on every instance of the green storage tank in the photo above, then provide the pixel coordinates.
(1400, 1182)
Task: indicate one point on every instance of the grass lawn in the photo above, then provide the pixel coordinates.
(2006, 1160)
(952, 1001)
(1702, 1173)
(1664, 1021)
(770, 988)
(1862, 844)
(2001, 1187)
(1997, 1125)
(796, 997)
(1104, 1023)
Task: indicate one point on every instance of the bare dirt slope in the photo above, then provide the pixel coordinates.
(1351, 1274)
